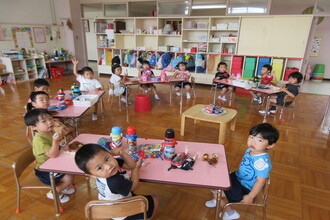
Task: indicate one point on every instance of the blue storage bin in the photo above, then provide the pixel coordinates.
(262, 61)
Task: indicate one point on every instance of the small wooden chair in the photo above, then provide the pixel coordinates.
(111, 100)
(101, 209)
(21, 163)
(260, 201)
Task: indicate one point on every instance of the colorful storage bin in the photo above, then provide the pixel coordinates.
(278, 65)
(318, 73)
(262, 61)
(288, 71)
(249, 67)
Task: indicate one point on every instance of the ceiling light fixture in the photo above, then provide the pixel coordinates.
(208, 6)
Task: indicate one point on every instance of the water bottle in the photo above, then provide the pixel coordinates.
(169, 144)
(116, 137)
(131, 137)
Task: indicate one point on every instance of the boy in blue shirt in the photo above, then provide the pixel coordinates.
(253, 171)
(112, 181)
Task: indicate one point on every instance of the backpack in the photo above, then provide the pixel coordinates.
(190, 63)
(175, 61)
(152, 60)
(166, 59)
(200, 63)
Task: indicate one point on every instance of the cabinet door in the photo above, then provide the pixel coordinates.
(254, 36)
(289, 36)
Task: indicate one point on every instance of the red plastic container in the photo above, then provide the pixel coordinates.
(142, 103)
(288, 71)
(57, 72)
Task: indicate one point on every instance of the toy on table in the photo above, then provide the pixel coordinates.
(60, 96)
(213, 109)
(255, 81)
(182, 161)
(116, 137)
(145, 151)
(169, 144)
(57, 107)
(105, 143)
(75, 91)
(131, 137)
(213, 159)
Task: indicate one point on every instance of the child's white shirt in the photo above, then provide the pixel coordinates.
(88, 84)
(119, 89)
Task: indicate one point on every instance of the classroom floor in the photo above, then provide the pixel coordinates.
(301, 159)
(318, 88)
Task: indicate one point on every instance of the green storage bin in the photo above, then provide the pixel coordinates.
(250, 60)
(248, 73)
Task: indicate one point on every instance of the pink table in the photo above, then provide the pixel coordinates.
(203, 175)
(75, 112)
(170, 80)
(273, 90)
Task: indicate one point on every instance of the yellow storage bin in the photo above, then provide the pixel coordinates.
(278, 65)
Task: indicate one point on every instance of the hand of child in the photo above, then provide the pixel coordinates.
(247, 200)
(75, 61)
(126, 73)
(57, 137)
(138, 164)
(117, 152)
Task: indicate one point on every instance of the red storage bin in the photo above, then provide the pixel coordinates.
(57, 72)
(240, 90)
(238, 59)
(288, 71)
(142, 103)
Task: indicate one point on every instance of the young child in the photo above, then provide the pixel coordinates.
(182, 72)
(112, 182)
(253, 171)
(146, 70)
(291, 89)
(40, 85)
(40, 100)
(266, 78)
(222, 74)
(117, 81)
(46, 144)
(87, 82)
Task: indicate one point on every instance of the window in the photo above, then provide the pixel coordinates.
(248, 7)
(115, 10)
(173, 8)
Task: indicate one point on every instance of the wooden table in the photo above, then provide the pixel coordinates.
(203, 175)
(195, 112)
(170, 80)
(75, 112)
(273, 90)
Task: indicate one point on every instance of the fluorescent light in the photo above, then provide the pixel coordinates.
(208, 6)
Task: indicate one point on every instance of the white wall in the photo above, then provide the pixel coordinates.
(323, 30)
(25, 12)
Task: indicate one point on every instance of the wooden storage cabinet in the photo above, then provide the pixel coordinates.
(24, 69)
(233, 40)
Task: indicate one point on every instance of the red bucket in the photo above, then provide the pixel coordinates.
(142, 103)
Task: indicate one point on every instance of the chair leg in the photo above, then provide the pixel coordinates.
(18, 210)
(264, 212)
(282, 113)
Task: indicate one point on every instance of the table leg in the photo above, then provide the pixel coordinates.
(126, 87)
(326, 109)
(219, 194)
(266, 109)
(102, 106)
(171, 87)
(215, 93)
(49, 70)
(56, 200)
(222, 133)
(183, 123)
(233, 123)
(181, 101)
(75, 124)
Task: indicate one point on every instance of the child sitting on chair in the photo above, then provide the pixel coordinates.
(117, 81)
(87, 82)
(147, 71)
(222, 74)
(46, 144)
(40, 85)
(182, 72)
(290, 89)
(253, 172)
(40, 100)
(112, 182)
(266, 79)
